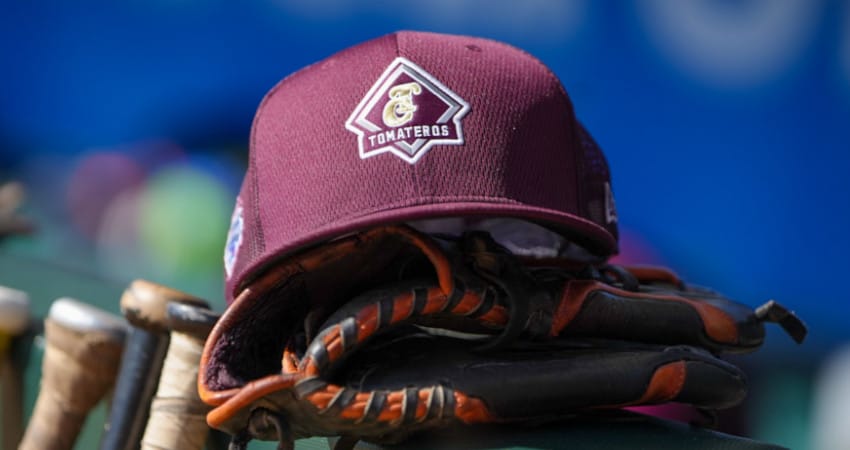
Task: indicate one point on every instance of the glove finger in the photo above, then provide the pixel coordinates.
(575, 375)
(592, 308)
(662, 279)
(420, 381)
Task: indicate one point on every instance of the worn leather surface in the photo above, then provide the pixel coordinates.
(609, 431)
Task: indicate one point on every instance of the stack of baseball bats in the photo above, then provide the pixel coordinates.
(147, 362)
(144, 364)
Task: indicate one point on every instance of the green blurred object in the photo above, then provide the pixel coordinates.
(183, 216)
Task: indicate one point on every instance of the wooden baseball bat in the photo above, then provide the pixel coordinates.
(83, 346)
(177, 415)
(144, 304)
(14, 321)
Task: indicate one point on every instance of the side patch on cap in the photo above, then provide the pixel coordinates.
(406, 112)
(610, 206)
(234, 239)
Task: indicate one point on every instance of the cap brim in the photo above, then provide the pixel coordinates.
(596, 239)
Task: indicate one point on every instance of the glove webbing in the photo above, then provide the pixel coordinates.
(338, 340)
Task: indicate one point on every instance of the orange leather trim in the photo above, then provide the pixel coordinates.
(467, 304)
(367, 322)
(402, 307)
(432, 250)
(572, 298)
(422, 404)
(390, 412)
(322, 398)
(215, 398)
(498, 316)
(719, 326)
(333, 343)
(248, 394)
(289, 362)
(357, 408)
(665, 384)
(646, 274)
(435, 302)
(329, 338)
(392, 409)
(310, 369)
(470, 409)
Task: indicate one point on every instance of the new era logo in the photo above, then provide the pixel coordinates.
(406, 112)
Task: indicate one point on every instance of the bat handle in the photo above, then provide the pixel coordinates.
(135, 385)
(177, 415)
(14, 322)
(144, 304)
(78, 369)
(12, 393)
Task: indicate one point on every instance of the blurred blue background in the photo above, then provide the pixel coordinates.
(726, 124)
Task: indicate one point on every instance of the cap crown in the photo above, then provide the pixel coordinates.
(409, 126)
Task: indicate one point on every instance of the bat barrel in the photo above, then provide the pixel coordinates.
(144, 304)
(178, 416)
(83, 347)
(14, 321)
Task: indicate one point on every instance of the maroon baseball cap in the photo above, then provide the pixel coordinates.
(412, 126)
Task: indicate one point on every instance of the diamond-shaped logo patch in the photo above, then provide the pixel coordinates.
(406, 112)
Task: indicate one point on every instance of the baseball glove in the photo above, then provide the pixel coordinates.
(384, 333)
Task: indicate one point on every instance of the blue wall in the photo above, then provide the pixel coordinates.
(727, 126)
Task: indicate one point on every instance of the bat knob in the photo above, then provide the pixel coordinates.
(82, 352)
(191, 319)
(145, 304)
(81, 317)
